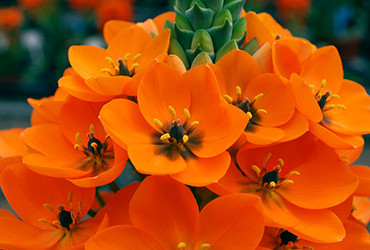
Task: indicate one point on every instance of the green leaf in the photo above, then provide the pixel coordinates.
(182, 22)
(202, 38)
(215, 5)
(251, 47)
(201, 58)
(235, 7)
(221, 16)
(175, 48)
(221, 34)
(183, 36)
(199, 18)
(239, 30)
(229, 46)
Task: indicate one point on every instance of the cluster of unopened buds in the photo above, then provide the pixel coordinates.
(242, 136)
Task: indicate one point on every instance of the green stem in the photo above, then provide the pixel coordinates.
(113, 186)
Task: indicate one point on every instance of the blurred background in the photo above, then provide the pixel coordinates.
(35, 36)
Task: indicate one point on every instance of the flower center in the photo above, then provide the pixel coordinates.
(122, 69)
(287, 238)
(324, 99)
(65, 220)
(178, 138)
(98, 155)
(246, 105)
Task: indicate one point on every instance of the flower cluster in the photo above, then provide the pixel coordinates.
(241, 146)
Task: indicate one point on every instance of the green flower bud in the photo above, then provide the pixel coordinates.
(235, 7)
(183, 36)
(202, 38)
(182, 22)
(221, 16)
(182, 5)
(239, 31)
(251, 47)
(221, 34)
(201, 58)
(215, 5)
(175, 48)
(229, 46)
(199, 18)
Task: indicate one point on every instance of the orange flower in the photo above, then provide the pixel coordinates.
(339, 109)
(296, 186)
(83, 4)
(50, 211)
(118, 69)
(180, 126)
(357, 238)
(361, 210)
(175, 221)
(113, 9)
(60, 150)
(153, 26)
(31, 4)
(265, 99)
(10, 17)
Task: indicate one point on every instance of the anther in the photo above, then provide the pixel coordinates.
(238, 90)
(56, 223)
(249, 114)
(92, 128)
(277, 37)
(165, 136)
(323, 83)
(172, 110)
(329, 107)
(205, 246)
(311, 86)
(281, 161)
(48, 207)
(267, 157)
(78, 137)
(335, 96)
(285, 182)
(256, 169)
(117, 70)
(187, 113)
(263, 111)
(127, 55)
(133, 67)
(158, 123)
(341, 106)
(137, 57)
(228, 98)
(110, 60)
(43, 220)
(181, 245)
(194, 123)
(272, 184)
(106, 70)
(292, 173)
(70, 197)
(185, 138)
(257, 97)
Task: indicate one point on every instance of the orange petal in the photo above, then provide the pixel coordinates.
(277, 100)
(261, 135)
(113, 27)
(155, 47)
(88, 61)
(344, 209)
(256, 28)
(305, 100)
(285, 60)
(15, 234)
(320, 225)
(363, 174)
(76, 87)
(166, 209)
(335, 140)
(324, 63)
(361, 209)
(233, 66)
(117, 207)
(225, 224)
(48, 139)
(161, 87)
(124, 123)
(295, 127)
(273, 26)
(32, 191)
(161, 19)
(116, 237)
(11, 144)
(149, 159)
(108, 86)
(357, 238)
(60, 169)
(349, 156)
(263, 57)
(204, 171)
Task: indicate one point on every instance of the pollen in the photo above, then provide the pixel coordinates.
(238, 90)
(194, 123)
(263, 111)
(43, 220)
(256, 169)
(205, 246)
(341, 106)
(249, 114)
(185, 138)
(323, 83)
(165, 136)
(285, 182)
(48, 207)
(281, 161)
(133, 67)
(127, 55)
(158, 123)
(110, 60)
(136, 57)
(172, 110)
(78, 137)
(181, 245)
(272, 184)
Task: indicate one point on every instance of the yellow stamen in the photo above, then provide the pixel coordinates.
(56, 223)
(70, 197)
(193, 123)
(256, 169)
(292, 173)
(158, 123)
(263, 111)
(344, 158)
(249, 114)
(77, 146)
(323, 83)
(109, 59)
(105, 70)
(341, 106)
(78, 137)
(329, 107)
(125, 58)
(136, 57)
(267, 157)
(185, 138)
(228, 98)
(238, 90)
(48, 207)
(165, 136)
(94, 145)
(285, 182)
(205, 246)
(92, 128)
(181, 245)
(133, 67)
(172, 110)
(117, 70)
(187, 113)
(257, 97)
(79, 206)
(311, 86)
(335, 96)
(43, 220)
(281, 161)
